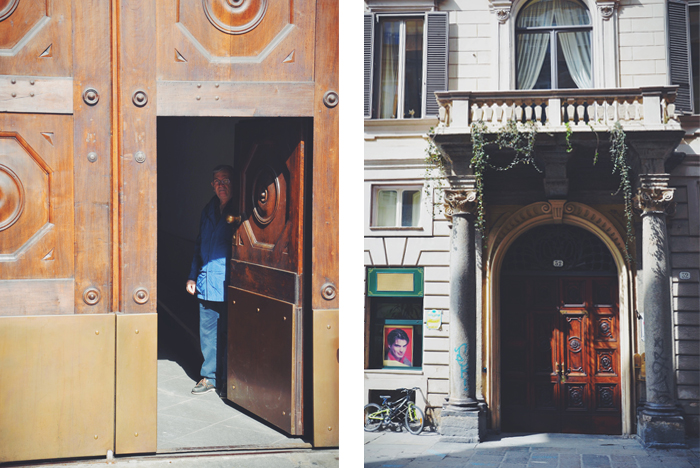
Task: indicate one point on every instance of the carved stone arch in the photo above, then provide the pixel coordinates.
(501, 237)
(553, 212)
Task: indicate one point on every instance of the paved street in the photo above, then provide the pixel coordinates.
(400, 449)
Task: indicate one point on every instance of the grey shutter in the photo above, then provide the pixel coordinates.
(679, 53)
(369, 62)
(436, 59)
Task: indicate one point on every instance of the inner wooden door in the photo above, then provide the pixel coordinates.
(560, 355)
(265, 292)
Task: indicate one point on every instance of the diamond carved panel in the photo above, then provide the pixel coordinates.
(245, 29)
(20, 20)
(24, 194)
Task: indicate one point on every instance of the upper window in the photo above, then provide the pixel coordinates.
(405, 63)
(554, 45)
(398, 85)
(397, 207)
(684, 50)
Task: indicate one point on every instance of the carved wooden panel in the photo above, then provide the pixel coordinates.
(271, 193)
(236, 40)
(575, 397)
(607, 397)
(575, 344)
(606, 362)
(36, 197)
(35, 38)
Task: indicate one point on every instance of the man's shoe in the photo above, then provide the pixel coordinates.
(204, 386)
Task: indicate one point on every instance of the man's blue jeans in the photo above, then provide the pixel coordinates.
(212, 338)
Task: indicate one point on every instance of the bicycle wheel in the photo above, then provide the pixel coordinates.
(373, 417)
(414, 419)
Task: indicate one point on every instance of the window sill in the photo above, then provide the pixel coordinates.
(380, 127)
(415, 371)
(395, 228)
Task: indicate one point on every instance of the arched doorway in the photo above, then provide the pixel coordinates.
(560, 333)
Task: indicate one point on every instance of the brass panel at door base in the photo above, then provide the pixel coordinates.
(137, 372)
(56, 386)
(261, 356)
(326, 378)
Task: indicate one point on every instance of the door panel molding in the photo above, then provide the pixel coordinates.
(503, 234)
(270, 282)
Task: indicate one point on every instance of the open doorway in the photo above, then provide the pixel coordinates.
(188, 149)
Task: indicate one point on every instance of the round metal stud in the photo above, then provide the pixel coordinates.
(91, 96)
(14, 94)
(139, 98)
(13, 81)
(91, 296)
(31, 82)
(31, 94)
(328, 291)
(92, 156)
(330, 99)
(141, 296)
(140, 157)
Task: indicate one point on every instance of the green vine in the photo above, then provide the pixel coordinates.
(569, 132)
(435, 169)
(618, 154)
(522, 140)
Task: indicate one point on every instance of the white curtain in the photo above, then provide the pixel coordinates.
(386, 208)
(576, 46)
(533, 48)
(389, 78)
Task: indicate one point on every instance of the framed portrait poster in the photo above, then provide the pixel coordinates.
(398, 345)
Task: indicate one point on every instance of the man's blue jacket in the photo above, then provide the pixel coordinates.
(212, 252)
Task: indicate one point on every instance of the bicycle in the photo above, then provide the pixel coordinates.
(376, 416)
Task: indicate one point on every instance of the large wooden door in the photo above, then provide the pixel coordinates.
(266, 287)
(560, 355)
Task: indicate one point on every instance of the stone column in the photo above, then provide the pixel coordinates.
(461, 417)
(659, 422)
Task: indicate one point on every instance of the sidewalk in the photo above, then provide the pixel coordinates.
(386, 449)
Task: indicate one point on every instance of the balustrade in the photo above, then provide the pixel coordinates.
(641, 107)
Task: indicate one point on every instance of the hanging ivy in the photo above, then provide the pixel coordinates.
(618, 154)
(435, 169)
(521, 139)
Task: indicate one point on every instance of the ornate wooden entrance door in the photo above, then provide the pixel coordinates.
(560, 355)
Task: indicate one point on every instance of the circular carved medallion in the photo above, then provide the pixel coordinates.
(575, 345)
(11, 197)
(7, 7)
(235, 16)
(266, 195)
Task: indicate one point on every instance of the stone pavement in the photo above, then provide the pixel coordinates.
(387, 449)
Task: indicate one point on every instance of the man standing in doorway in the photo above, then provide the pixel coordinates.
(208, 277)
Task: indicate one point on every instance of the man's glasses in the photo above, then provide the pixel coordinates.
(216, 182)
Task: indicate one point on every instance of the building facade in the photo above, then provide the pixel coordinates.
(575, 307)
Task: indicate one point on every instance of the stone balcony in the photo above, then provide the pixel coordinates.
(572, 126)
(648, 108)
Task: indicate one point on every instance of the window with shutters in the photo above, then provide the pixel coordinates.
(684, 53)
(405, 63)
(396, 206)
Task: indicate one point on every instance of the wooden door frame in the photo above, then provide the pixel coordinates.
(501, 237)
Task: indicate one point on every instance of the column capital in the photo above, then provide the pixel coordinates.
(654, 195)
(607, 8)
(502, 9)
(460, 201)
